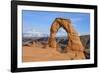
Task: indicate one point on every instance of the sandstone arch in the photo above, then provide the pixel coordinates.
(74, 43)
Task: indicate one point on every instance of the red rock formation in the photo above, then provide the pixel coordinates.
(74, 43)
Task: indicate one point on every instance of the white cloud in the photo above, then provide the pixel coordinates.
(61, 32)
(76, 19)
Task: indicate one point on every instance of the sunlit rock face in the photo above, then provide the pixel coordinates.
(74, 43)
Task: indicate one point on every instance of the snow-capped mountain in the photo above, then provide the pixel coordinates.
(34, 33)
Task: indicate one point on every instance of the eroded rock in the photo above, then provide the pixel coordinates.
(74, 43)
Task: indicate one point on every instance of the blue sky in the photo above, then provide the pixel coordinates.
(40, 21)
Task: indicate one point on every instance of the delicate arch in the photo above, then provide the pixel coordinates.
(74, 42)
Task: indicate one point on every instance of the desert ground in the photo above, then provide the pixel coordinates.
(31, 53)
(40, 51)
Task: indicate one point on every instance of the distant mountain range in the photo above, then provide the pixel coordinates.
(30, 35)
(85, 39)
